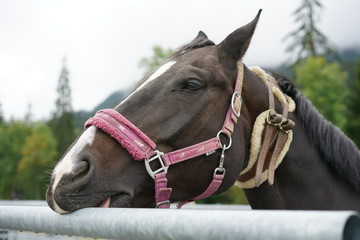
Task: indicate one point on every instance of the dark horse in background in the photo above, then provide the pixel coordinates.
(183, 103)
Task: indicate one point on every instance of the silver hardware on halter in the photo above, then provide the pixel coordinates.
(230, 139)
(221, 168)
(235, 94)
(167, 202)
(209, 153)
(162, 168)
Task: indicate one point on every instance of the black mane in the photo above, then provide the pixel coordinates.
(341, 152)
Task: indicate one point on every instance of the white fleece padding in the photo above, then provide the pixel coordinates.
(256, 142)
(255, 146)
(282, 97)
(260, 73)
(292, 105)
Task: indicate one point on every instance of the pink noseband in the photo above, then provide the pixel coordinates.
(141, 147)
(127, 134)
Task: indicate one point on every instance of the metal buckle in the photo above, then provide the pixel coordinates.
(162, 168)
(221, 168)
(167, 202)
(236, 94)
(284, 123)
(269, 120)
(230, 139)
(285, 131)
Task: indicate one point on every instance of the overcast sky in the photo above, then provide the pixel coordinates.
(103, 41)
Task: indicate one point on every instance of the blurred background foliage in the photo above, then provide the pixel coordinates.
(30, 149)
(324, 83)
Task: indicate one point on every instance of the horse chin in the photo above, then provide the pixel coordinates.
(123, 200)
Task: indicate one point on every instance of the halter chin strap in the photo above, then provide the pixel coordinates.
(141, 147)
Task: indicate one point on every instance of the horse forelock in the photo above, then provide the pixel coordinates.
(336, 148)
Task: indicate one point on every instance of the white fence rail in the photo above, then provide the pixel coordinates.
(184, 224)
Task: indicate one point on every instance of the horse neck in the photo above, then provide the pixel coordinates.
(305, 179)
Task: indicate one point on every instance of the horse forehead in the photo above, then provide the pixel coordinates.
(160, 71)
(156, 75)
(200, 57)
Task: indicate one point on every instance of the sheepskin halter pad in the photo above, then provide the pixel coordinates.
(271, 136)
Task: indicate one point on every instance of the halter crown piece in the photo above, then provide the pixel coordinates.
(141, 147)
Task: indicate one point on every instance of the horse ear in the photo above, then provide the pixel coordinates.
(238, 41)
(201, 40)
(200, 37)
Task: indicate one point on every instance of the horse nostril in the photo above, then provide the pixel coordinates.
(79, 169)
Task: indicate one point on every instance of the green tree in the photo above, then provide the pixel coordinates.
(307, 39)
(324, 83)
(149, 64)
(63, 122)
(38, 153)
(12, 140)
(354, 106)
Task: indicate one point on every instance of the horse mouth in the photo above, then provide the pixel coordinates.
(116, 201)
(105, 203)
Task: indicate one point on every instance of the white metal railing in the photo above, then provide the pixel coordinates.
(121, 223)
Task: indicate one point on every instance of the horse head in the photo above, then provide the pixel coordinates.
(183, 103)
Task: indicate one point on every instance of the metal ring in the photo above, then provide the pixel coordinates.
(230, 139)
(235, 94)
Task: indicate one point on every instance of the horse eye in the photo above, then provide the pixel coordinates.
(192, 85)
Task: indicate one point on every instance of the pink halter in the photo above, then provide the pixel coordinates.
(141, 147)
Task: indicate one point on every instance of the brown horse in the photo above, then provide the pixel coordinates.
(180, 110)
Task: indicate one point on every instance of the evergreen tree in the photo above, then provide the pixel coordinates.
(308, 40)
(28, 115)
(63, 102)
(63, 122)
